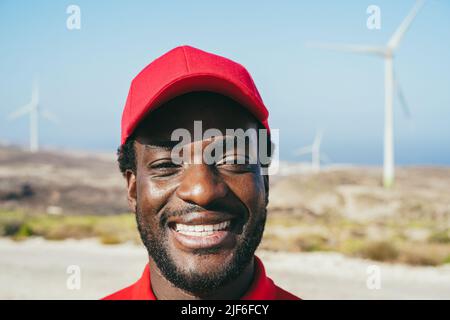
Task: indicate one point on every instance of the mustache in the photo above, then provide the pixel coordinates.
(167, 213)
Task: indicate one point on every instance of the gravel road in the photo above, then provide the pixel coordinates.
(37, 269)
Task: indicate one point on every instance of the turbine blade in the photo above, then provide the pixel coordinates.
(50, 116)
(403, 103)
(35, 92)
(394, 41)
(352, 48)
(303, 151)
(318, 138)
(20, 111)
(401, 98)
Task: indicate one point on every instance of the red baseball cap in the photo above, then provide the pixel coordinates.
(187, 69)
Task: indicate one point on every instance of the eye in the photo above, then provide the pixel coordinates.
(233, 159)
(163, 168)
(163, 165)
(236, 163)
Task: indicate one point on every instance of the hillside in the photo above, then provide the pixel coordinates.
(57, 182)
(58, 195)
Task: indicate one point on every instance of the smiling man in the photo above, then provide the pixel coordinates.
(200, 217)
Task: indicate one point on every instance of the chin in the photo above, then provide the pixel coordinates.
(205, 261)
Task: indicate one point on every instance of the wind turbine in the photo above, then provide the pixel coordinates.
(34, 110)
(390, 82)
(314, 150)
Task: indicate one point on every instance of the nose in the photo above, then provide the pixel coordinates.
(201, 186)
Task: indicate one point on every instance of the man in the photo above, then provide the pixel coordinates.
(200, 220)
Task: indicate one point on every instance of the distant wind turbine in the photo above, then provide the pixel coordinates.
(390, 82)
(34, 110)
(314, 150)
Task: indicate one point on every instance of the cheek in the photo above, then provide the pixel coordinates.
(152, 196)
(250, 190)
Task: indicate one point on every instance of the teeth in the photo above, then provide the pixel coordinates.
(202, 230)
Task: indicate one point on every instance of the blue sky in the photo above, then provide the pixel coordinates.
(84, 75)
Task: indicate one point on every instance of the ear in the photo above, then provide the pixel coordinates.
(131, 190)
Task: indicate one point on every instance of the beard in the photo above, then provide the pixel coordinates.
(156, 242)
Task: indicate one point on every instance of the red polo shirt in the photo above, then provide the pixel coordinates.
(262, 288)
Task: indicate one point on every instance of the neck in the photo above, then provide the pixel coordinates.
(163, 289)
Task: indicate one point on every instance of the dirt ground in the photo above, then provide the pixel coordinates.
(37, 269)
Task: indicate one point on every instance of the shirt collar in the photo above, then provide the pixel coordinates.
(261, 288)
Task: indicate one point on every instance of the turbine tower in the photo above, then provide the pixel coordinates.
(34, 110)
(314, 150)
(390, 82)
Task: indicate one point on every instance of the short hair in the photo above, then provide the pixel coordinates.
(126, 156)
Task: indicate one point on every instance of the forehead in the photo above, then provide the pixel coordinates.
(213, 110)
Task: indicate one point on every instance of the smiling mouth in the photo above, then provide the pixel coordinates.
(198, 234)
(201, 230)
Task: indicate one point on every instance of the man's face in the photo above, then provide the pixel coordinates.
(201, 223)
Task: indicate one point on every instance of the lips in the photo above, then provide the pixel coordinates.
(203, 230)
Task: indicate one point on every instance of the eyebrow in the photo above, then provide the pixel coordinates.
(161, 144)
(169, 144)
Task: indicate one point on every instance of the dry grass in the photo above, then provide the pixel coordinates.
(109, 229)
(388, 240)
